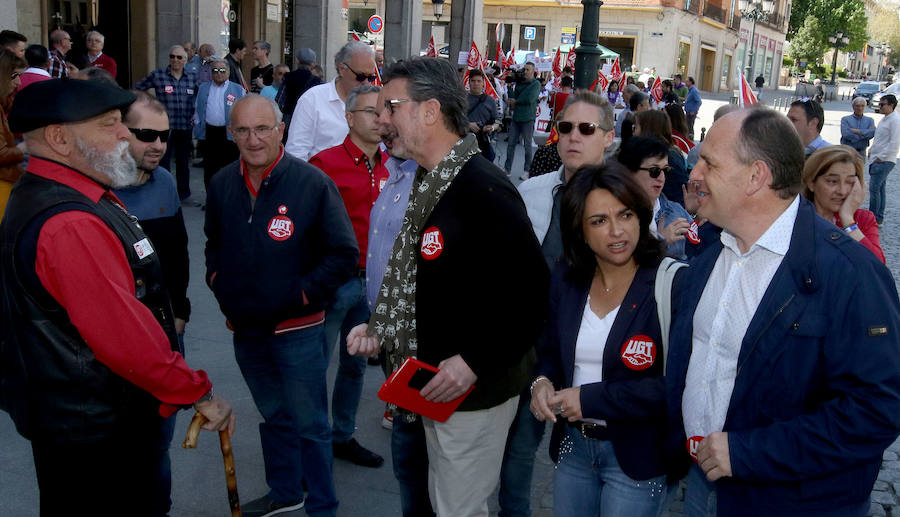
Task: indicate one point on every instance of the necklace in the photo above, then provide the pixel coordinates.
(607, 290)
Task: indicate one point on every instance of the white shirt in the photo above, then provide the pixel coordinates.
(37, 71)
(654, 229)
(589, 347)
(318, 122)
(215, 104)
(887, 139)
(728, 303)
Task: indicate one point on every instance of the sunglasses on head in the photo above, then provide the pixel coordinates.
(148, 136)
(362, 77)
(656, 171)
(175, 56)
(585, 128)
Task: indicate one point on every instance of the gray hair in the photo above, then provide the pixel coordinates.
(271, 102)
(88, 35)
(767, 135)
(264, 45)
(177, 47)
(859, 100)
(353, 96)
(57, 36)
(606, 116)
(349, 50)
(434, 78)
(632, 88)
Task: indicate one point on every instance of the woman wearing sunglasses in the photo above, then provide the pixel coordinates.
(11, 157)
(600, 369)
(655, 123)
(648, 160)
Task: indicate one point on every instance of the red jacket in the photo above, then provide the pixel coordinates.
(358, 182)
(105, 62)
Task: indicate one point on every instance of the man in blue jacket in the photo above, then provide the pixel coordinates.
(784, 364)
(214, 102)
(279, 244)
(692, 105)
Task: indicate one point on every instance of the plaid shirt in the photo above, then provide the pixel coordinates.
(58, 64)
(177, 95)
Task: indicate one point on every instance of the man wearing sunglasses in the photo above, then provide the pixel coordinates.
(177, 90)
(214, 102)
(808, 119)
(319, 120)
(883, 155)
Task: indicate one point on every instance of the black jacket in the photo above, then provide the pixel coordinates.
(485, 295)
(262, 258)
(632, 396)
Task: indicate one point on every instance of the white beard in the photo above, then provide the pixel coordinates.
(117, 165)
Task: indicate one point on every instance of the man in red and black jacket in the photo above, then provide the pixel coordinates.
(88, 354)
(357, 167)
(279, 245)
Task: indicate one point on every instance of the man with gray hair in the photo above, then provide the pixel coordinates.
(261, 74)
(95, 55)
(60, 44)
(280, 220)
(357, 168)
(450, 264)
(856, 128)
(319, 121)
(214, 102)
(626, 97)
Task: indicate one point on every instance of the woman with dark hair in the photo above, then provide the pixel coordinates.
(679, 128)
(614, 95)
(11, 157)
(648, 160)
(833, 180)
(600, 366)
(656, 123)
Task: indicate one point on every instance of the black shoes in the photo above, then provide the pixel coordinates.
(263, 507)
(353, 452)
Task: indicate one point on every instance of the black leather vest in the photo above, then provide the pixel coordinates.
(50, 382)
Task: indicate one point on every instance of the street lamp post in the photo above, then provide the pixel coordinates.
(882, 50)
(838, 41)
(757, 11)
(587, 54)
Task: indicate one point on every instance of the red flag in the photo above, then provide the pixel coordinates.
(377, 77)
(601, 84)
(554, 136)
(616, 72)
(747, 97)
(557, 64)
(431, 51)
(570, 59)
(474, 60)
(511, 58)
(501, 58)
(489, 88)
(657, 91)
(355, 36)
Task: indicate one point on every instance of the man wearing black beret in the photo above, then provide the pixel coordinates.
(89, 361)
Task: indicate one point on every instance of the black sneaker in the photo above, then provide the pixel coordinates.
(265, 506)
(353, 452)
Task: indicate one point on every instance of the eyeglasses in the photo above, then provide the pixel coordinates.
(175, 56)
(656, 171)
(391, 104)
(369, 110)
(14, 75)
(258, 131)
(585, 128)
(362, 77)
(148, 136)
(219, 70)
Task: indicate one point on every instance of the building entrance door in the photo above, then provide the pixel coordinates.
(707, 69)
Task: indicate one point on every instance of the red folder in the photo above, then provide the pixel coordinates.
(397, 390)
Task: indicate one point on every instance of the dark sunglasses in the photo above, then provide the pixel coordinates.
(656, 171)
(362, 77)
(585, 128)
(149, 136)
(175, 56)
(14, 75)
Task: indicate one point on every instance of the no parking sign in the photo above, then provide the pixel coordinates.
(376, 24)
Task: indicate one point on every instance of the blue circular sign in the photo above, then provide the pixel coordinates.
(376, 23)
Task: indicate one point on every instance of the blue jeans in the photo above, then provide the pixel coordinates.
(878, 173)
(700, 494)
(517, 131)
(589, 482)
(164, 470)
(348, 309)
(286, 376)
(524, 438)
(410, 457)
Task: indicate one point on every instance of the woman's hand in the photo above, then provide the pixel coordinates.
(569, 402)
(691, 196)
(540, 401)
(675, 231)
(852, 202)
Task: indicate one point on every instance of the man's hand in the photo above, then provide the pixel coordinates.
(179, 325)
(359, 342)
(569, 403)
(454, 379)
(540, 401)
(473, 127)
(713, 458)
(218, 411)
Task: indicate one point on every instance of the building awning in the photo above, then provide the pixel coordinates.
(607, 53)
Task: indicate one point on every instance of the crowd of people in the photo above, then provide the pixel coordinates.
(366, 212)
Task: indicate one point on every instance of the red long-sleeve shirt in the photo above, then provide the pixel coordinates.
(81, 263)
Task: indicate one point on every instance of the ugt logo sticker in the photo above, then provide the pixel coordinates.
(281, 227)
(639, 352)
(432, 243)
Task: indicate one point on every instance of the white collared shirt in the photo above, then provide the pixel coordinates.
(215, 104)
(318, 122)
(36, 71)
(92, 59)
(654, 229)
(729, 301)
(887, 138)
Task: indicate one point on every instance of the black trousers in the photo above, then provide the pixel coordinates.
(181, 145)
(218, 152)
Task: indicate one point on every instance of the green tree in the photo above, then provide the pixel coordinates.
(847, 16)
(884, 26)
(807, 43)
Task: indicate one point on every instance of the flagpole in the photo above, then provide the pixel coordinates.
(587, 54)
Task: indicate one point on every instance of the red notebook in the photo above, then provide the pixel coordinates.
(403, 386)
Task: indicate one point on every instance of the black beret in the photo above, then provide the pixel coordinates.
(57, 101)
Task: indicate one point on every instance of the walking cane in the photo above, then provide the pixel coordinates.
(190, 442)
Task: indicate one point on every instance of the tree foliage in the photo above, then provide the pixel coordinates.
(884, 27)
(847, 16)
(807, 44)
